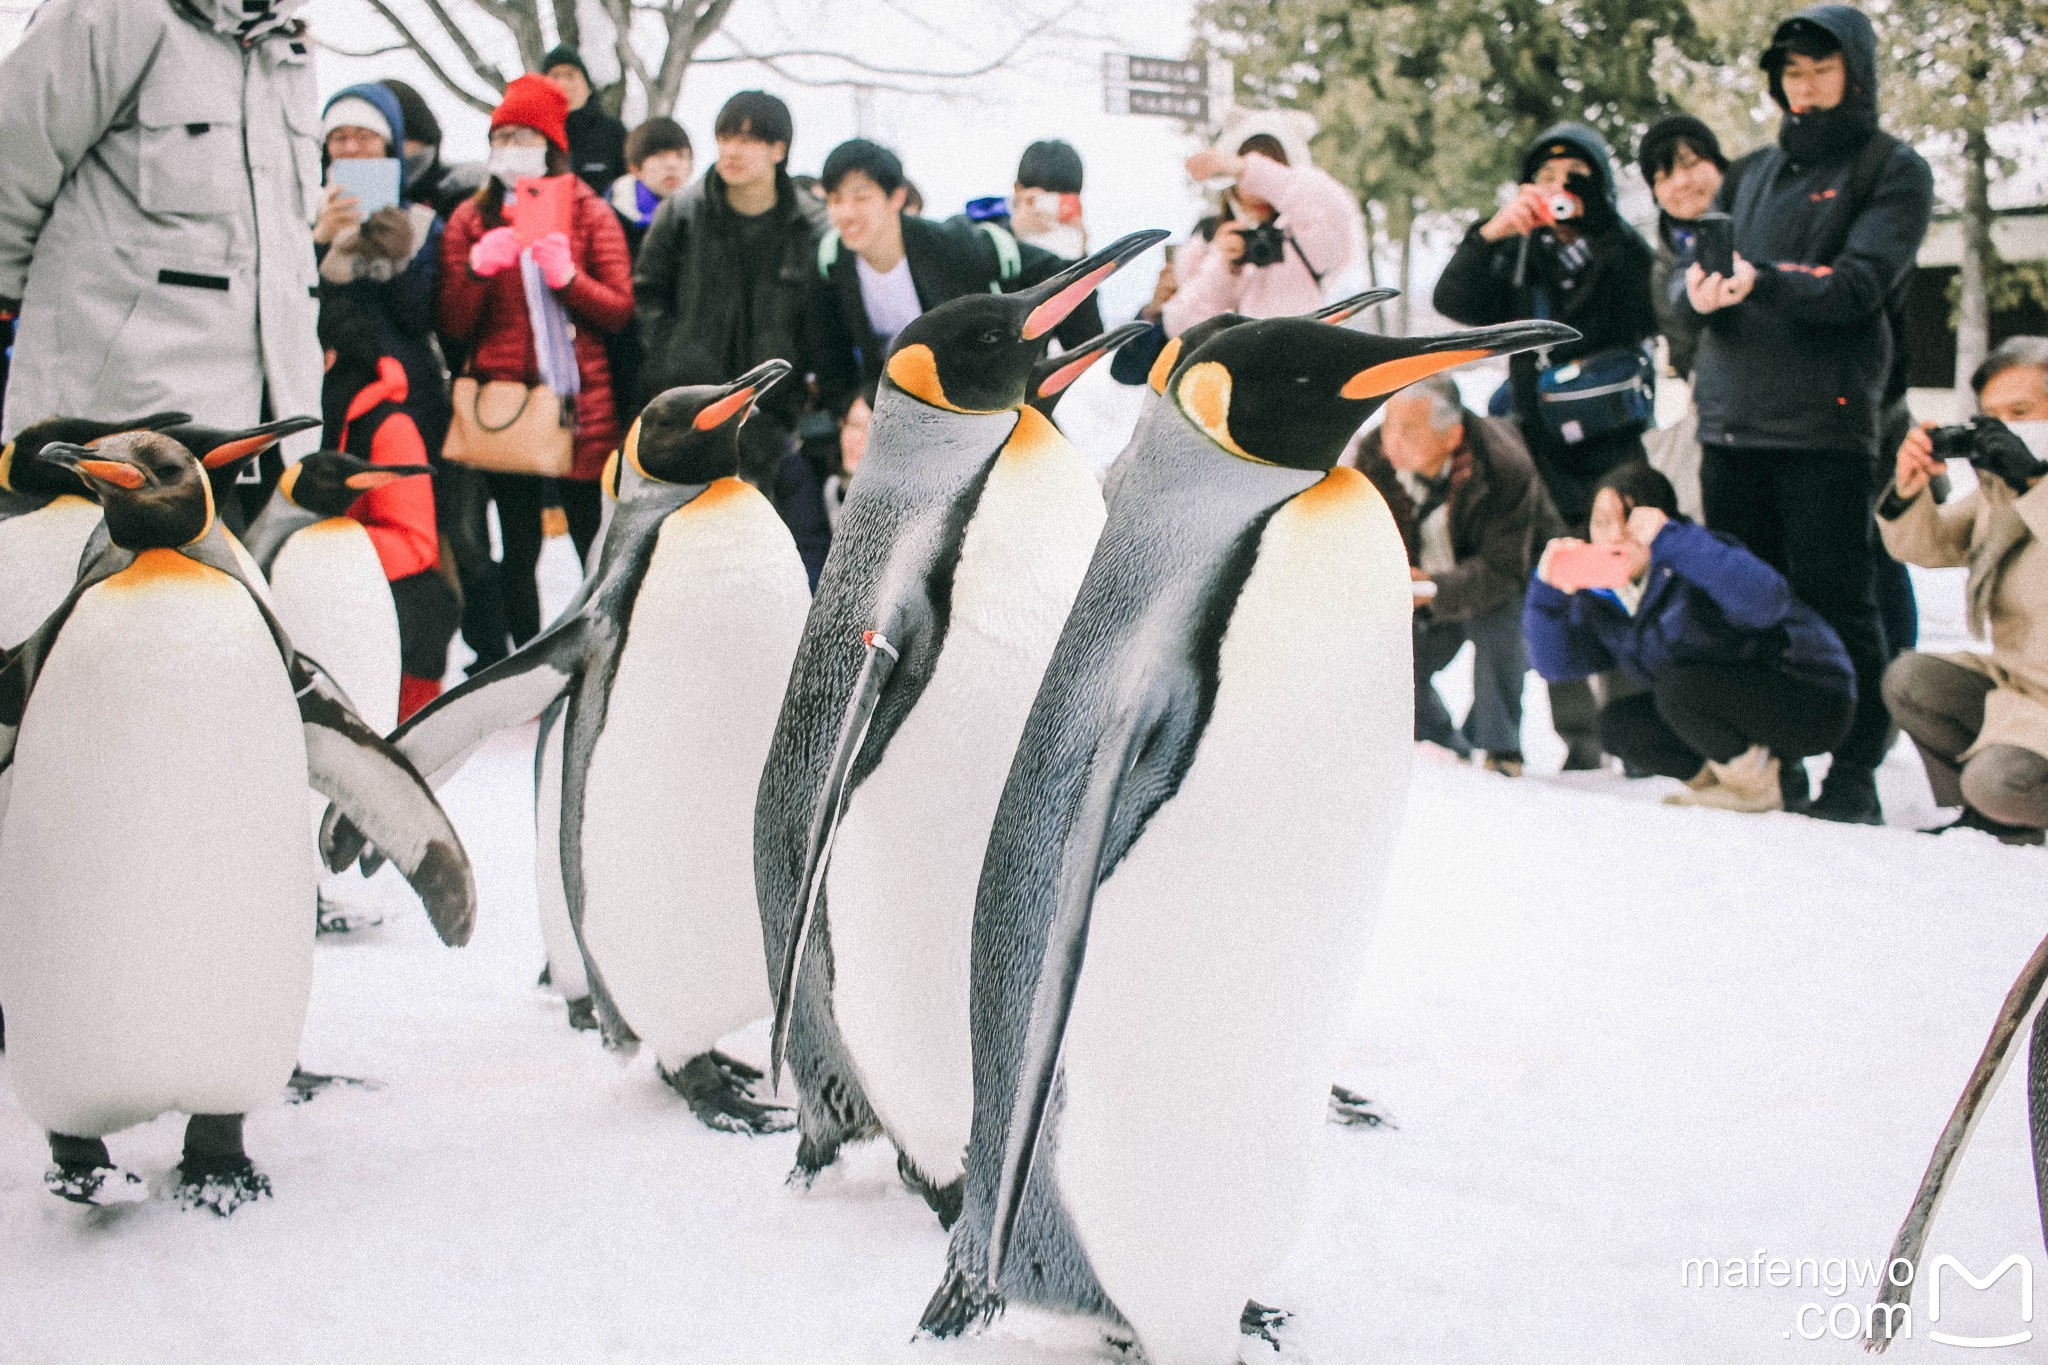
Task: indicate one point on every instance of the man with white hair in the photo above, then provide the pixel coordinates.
(1471, 512)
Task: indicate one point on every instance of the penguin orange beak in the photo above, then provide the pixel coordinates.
(384, 474)
(1432, 355)
(119, 473)
(742, 393)
(1075, 363)
(1063, 293)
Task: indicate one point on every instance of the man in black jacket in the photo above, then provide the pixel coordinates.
(1796, 352)
(597, 141)
(1471, 512)
(880, 267)
(723, 283)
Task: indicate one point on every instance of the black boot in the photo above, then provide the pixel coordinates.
(1793, 785)
(1848, 797)
(216, 1174)
(85, 1174)
(1972, 818)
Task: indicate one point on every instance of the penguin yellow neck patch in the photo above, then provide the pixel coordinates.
(1169, 356)
(156, 566)
(1034, 434)
(7, 467)
(1205, 398)
(1337, 489)
(608, 478)
(1399, 374)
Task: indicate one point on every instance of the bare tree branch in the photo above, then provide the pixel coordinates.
(340, 51)
(568, 27)
(433, 63)
(1002, 59)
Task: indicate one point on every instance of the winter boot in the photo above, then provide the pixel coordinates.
(1748, 783)
(1694, 785)
(1972, 818)
(1793, 786)
(1508, 762)
(1848, 796)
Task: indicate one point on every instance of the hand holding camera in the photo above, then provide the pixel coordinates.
(1530, 209)
(1988, 444)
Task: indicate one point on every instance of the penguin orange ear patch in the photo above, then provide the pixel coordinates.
(915, 370)
(608, 480)
(629, 451)
(721, 412)
(1399, 374)
(1205, 397)
(1169, 356)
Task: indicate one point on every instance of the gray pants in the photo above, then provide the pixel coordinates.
(1495, 721)
(1941, 705)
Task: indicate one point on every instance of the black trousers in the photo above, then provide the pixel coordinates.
(1698, 712)
(521, 499)
(1810, 515)
(428, 611)
(462, 500)
(1571, 473)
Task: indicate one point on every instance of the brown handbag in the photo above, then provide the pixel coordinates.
(507, 427)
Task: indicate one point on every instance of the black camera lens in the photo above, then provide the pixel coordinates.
(1953, 443)
(1264, 245)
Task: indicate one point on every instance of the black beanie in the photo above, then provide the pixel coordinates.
(420, 123)
(1661, 138)
(561, 54)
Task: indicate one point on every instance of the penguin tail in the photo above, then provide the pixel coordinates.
(961, 1303)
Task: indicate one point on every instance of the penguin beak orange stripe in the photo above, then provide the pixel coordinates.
(1054, 310)
(107, 471)
(377, 478)
(1068, 373)
(719, 413)
(1399, 374)
(227, 452)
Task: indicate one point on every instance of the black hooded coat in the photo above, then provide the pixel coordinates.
(1802, 363)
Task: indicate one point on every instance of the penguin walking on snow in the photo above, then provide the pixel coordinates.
(154, 874)
(963, 540)
(1179, 886)
(47, 514)
(670, 664)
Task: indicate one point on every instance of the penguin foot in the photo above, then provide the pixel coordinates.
(719, 1090)
(547, 974)
(220, 1187)
(944, 1200)
(583, 1015)
(330, 918)
(100, 1186)
(1262, 1322)
(1354, 1110)
(959, 1303)
(304, 1085)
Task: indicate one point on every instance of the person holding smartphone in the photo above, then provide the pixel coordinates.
(1737, 675)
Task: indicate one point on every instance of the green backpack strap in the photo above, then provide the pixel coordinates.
(828, 252)
(1009, 260)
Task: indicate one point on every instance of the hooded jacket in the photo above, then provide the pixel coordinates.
(1608, 300)
(162, 165)
(1802, 363)
(1319, 219)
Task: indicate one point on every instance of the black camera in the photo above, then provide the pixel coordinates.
(1954, 443)
(1992, 448)
(1264, 245)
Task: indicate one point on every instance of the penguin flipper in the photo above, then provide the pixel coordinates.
(1911, 1241)
(875, 669)
(511, 691)
(381, 793)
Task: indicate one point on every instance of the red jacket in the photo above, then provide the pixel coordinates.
(490, 315)
(400, 515)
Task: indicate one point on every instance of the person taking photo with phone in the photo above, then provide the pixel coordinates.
(1981, 720)
(1736, 674)
(1797, 351)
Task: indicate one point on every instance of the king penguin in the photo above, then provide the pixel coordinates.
(1052, 376)
(47, 513)
(154, 953)
(964, 537)
(1180, 881)
(672, 662)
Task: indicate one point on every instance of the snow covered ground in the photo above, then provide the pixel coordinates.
(1611, 1036)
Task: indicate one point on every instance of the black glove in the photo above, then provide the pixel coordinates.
(1997, 451)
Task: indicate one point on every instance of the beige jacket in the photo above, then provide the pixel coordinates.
(2002, 538)
(159, 168)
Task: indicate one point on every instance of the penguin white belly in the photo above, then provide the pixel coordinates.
(669, 917)
(328, 588)
(1224, 950)
(39, 562)
(900, 889)
(155, 950)
(566, 976)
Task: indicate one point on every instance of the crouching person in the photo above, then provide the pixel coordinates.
(1465, 495)
(1741, 680)
(1981, 721)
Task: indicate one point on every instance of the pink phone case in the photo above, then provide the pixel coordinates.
(1590, 566)
(543, 204)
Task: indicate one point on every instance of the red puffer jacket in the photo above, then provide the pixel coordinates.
(490, 315)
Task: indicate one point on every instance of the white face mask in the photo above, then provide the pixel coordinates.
(2035, 434)
(513, 164)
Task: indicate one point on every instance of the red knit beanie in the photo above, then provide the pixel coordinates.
(538, 103)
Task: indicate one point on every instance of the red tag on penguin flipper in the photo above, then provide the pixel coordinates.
(540, 205)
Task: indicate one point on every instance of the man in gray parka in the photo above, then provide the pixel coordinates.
(159, 168)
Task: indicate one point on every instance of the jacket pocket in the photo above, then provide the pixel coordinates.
(191, 159)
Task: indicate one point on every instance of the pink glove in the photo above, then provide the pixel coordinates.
(496, 250)
(551, 254)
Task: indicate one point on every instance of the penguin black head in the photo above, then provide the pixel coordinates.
(1291, 391)
(329, 482)
(223, 451)
(153, 494)
(1053, 375)
(974, 354)
(691, 434)
(23, 469)
(1190, 341)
